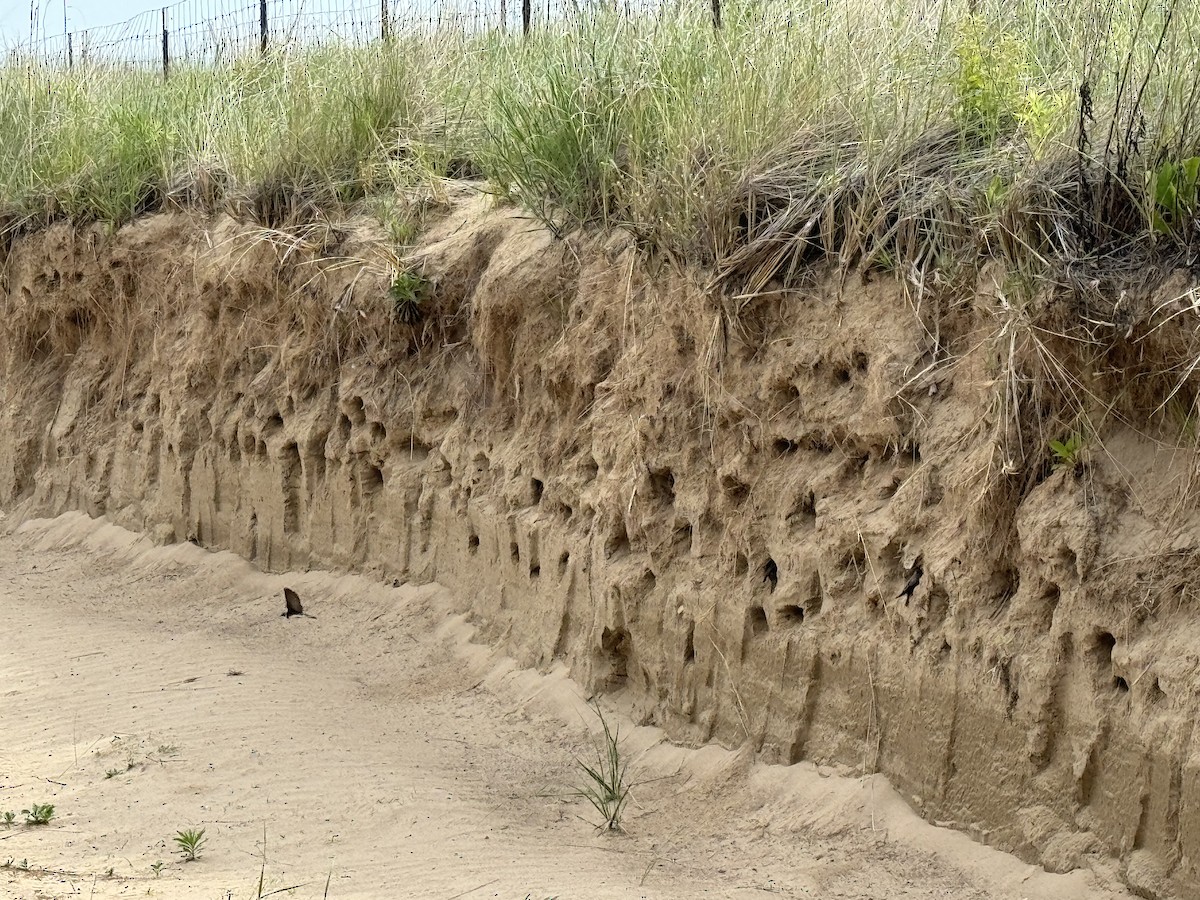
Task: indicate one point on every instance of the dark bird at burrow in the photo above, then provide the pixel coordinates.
(294, 606)
(911, 585)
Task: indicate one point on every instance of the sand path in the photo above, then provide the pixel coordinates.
(375, 752)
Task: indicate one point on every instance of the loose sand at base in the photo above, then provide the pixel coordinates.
(375, 752)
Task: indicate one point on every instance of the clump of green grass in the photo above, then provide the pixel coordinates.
(606, 786)
(38, 814)
(266, 137)
(408, 292)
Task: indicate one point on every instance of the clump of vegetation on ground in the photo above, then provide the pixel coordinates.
(190, 842)
(38, 814)
(605, 784)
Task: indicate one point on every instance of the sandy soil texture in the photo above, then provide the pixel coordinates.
(374, 751)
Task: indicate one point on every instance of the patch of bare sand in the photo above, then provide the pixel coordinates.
(375, 752)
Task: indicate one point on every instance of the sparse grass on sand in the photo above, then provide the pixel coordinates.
(605, 785)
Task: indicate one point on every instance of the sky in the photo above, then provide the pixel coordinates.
(14, 15)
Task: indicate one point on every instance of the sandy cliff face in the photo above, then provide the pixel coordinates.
(712, 504)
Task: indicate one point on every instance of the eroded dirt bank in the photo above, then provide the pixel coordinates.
(709, 503)
(375, 752)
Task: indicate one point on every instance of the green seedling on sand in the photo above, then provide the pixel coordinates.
(190, 843)
(39, 814)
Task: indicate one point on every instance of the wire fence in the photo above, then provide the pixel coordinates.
(210, 32)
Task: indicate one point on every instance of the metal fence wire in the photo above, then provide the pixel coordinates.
(210, 32)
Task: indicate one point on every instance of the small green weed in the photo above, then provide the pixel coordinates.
(884, 260)
(606, 788)
(157, 868)
(991, 87)
(38, 814)
(407, 293)
(989, 79)
(1068, 454)
(9, 817)
(190, 843)
(1039, 115)
(1175, 201)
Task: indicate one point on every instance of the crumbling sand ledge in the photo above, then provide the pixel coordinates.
(716, 518)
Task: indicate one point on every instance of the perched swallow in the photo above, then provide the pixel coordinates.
(911, 585)
(294, 606)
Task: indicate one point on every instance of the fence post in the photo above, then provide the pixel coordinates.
(166, 46)
(716, 6)
(385, 24)
(526, 14)
(70, 52)
(262, 27)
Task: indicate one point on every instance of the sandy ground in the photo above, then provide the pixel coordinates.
(376, 752)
